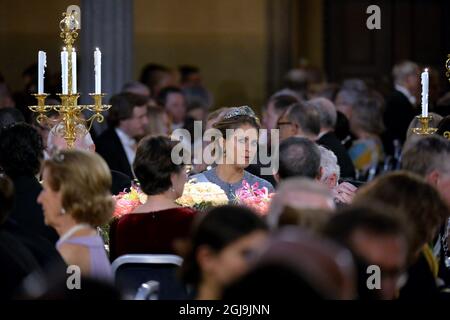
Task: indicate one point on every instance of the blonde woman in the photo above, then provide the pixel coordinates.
(76, 199)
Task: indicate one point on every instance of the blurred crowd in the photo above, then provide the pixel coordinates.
(360, 210)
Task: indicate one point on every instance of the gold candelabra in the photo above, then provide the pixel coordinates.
(447, 135)
(70, 123)
(424, 126)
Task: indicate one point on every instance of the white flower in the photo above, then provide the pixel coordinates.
(200, 193)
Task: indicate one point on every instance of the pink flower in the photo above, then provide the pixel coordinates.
(126, 202)
(254, 198)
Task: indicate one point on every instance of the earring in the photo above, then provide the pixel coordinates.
(63, 211)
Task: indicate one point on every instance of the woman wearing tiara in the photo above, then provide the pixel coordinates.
(236, 149)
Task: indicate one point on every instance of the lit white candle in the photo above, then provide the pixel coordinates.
(65, 71)
(98, 71)
(425, 79)
(74, 71)
(42, 63)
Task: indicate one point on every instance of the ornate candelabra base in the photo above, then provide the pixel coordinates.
(71, 122)
(425, 128)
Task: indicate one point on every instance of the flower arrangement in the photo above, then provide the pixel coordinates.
(198, 195)
(202, 195)
(254, 198)
(126, 202)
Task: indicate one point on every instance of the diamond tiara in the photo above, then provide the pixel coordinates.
(240, 111)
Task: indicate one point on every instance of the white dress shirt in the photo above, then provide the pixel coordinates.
(407, 94)
(129, 144)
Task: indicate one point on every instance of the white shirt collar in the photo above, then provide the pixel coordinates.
(128, 144)
(124, 137)
(407, 94)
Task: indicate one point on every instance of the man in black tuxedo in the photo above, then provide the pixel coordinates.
(278, 103)
(173, 101)
(428, 158)
(401, 104)
(127, 120)
(276, 106)
(21, 152)
(327, 137)
(300, 120)
(21, 252)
